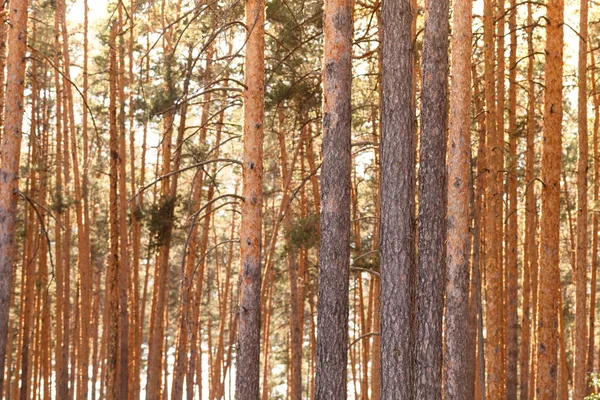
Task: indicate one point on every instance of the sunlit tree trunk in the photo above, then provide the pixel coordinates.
(550, 220)
(580, 273)
(10, 154)
(247, 384)
(512, 235)
(530, 243)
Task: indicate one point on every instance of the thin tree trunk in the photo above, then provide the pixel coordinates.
(112, 275)
(591, 336)
(580, 273)
(529, 313)
(512, 218)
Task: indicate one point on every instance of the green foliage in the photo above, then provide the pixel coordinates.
(304, 233)
(60, 203)
(595, 384)
(159, 220)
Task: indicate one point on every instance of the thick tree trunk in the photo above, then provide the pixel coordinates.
(432, 206)
(10, 154)
(550, 219)
(456, 359)
(247, 383)
(397, 191)
(334, 253)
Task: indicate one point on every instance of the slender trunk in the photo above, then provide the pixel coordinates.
(530, 244)
(112, 275)
(580, 273)
(512, 218)
(591, 346)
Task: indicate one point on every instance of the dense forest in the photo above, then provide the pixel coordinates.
(299, 199)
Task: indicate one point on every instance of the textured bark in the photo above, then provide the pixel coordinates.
(550, 220)
(3, 48)
(112, 274)
(580, 274)
(397, 191)
(432, 204)
(334, 252)
(494, 276)
(512, 235)
(456, 359)
(10, 154)
(596, 100)
(247, 384)
(124, 264)
(530, 243)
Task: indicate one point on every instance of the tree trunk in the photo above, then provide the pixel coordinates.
(596, 100)
(530, 244)
(432, 206)
(334, 253)
(112, 274)
(10, 154)
(397, 191)
(512, 219)
(456, 359)
(550, 219)
(580, 273)
(247, 383)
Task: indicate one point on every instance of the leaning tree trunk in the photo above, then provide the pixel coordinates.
(334, 253)
(456, 360)
(247, 383)
(547, 345)
(10, 154)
